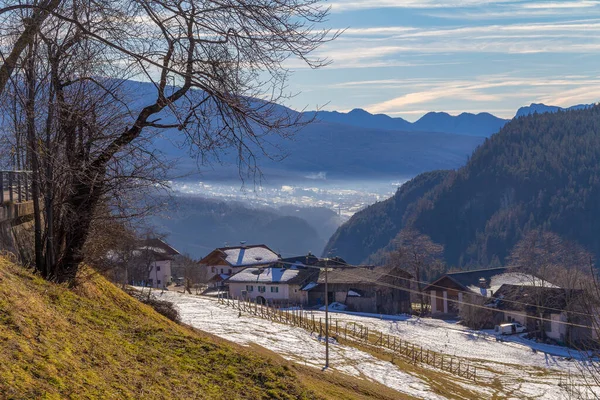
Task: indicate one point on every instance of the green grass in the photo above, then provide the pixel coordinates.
(95, 341)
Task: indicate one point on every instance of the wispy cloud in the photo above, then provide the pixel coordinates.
(523, 10)
(561, 92)
(383, 46)
(415, 4)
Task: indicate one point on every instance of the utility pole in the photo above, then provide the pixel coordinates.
(326, 315)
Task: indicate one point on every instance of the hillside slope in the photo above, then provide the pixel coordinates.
(96, 341)
(539, 171)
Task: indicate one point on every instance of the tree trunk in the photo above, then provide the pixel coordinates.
(34, 159)
(82, 205)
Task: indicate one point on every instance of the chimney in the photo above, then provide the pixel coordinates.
(482, 283)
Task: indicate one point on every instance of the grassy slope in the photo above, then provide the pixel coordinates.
(97, 342)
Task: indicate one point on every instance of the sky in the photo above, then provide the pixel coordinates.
(405, 58)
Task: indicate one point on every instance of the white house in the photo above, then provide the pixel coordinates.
(223, 262)
(276, 283)
(159, 256)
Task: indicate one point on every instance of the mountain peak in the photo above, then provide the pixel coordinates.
(359, 111)
(541, 108)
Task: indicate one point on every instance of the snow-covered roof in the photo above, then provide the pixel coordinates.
(246, 255)
(510, 278)
(266, 275)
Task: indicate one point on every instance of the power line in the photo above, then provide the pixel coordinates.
(454, 301)
(350, 274)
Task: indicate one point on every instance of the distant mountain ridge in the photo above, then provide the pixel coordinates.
(538, 108)
(482, 124)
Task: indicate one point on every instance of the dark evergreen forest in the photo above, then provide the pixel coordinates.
(539, 171)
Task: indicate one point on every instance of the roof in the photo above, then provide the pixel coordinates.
(158, 246)
(308, 259)
(518, 297)
(274, 274)
(510, 278)
(243, 256)
(469, 281)
(362, 275)
(470, 278)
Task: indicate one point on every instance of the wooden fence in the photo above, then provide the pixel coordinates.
(353, 332)
(15, 186)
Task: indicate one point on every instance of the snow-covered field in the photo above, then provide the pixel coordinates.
(512, 368)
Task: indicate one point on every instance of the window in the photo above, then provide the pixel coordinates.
(262, 289)
(158, 269)
(212, 269)
(158, 282)
(274, 289)
(222, 270)
(249, 288)
(229, 271)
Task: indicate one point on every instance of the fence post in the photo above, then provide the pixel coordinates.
(26, 186)
(19, 193)
(11, 196)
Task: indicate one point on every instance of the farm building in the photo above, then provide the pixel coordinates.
(375, 290)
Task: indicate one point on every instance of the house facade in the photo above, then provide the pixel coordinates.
(273, 284)
(158, 256)
(377, 290)
(224, 262)
(549, 312)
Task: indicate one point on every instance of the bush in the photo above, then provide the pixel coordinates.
(163, 307)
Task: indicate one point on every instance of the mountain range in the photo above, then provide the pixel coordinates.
(344, 145)
(482, 124)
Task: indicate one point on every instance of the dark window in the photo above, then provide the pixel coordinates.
(158, 282)
(158, 269)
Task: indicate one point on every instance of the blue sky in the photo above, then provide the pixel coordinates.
(407, 57)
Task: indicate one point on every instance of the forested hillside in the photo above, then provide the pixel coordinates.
(539, 171)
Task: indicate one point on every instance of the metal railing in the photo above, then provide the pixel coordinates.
(15, 186)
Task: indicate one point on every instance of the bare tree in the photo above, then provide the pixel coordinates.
(218, 71)
(549, 261)
(419, 255)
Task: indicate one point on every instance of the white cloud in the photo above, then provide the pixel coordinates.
(416, 4)
(561, 92)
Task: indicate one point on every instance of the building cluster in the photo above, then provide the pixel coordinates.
(498, 295)
(486, 297)
(256, 273)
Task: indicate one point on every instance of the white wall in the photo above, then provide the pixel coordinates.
(559, 331)
(160, 273)
(235, 290)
